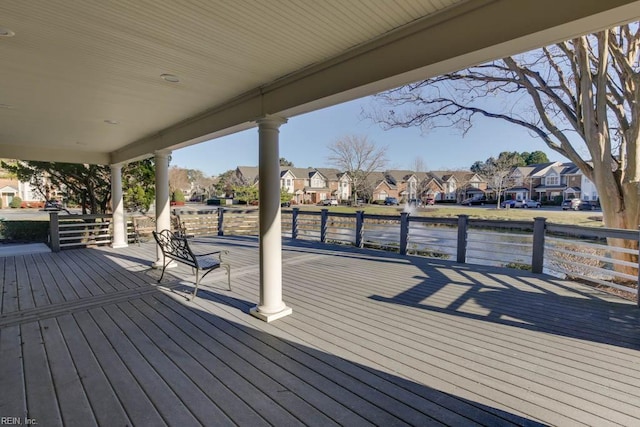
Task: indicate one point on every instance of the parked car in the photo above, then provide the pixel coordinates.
(527, 204)
(285, 204)
(53, 205)
(473, 201)
(430, 201)
(572, 204)
(587, 206)
(391, 201)
(329, 202)
(508, 203)
(414, 202)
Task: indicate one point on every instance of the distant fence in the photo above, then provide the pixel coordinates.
(580, 253)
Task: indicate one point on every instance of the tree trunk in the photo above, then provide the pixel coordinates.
(619, 203)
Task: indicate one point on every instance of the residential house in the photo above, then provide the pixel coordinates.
(526, 182)
(307, 185)
(8, 190)
(247, 175)
(406, 183)
(379, 187)
(460, 185)
(339, 183)
(571, 177)
(430, 187)
(588, 189)
(448, 182)
(548, 181)
(11, 188)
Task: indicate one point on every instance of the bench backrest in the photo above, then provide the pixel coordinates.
(175, 247)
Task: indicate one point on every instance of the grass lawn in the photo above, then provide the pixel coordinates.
(589, 219)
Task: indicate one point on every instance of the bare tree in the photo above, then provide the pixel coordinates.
(359, 157)
(580, 97)
(497, 171)
(418, 165)
(178, 178)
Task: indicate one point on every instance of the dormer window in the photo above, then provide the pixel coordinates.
(552, 180)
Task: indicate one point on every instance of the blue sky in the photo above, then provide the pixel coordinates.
(304, 140)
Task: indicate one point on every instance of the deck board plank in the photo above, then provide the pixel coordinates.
(10, 302)
(138, 407)
(194, 400)
(25, 290)
(104, 402)
(220, 376)
(58, 287)
(393, 317)
(40, 294)
(13, 402)
(42, 400)
(72, 399)
(375, 338)
(95, 285)
(167, 403)
(300, 399)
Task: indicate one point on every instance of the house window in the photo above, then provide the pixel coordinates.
(552, 180)
(288, 183)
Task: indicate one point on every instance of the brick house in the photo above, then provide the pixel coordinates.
(549, 181)
(306, 185)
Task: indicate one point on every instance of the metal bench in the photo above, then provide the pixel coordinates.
(176, 247)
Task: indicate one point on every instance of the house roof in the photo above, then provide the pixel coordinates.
(302, 173)
(459, 176)
(100, 63)
(374, 179)
(331, 174)
(248, 173)
(8, 189)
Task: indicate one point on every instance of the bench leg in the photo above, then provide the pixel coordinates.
(195, 291)
(228, 268)
(164, 267)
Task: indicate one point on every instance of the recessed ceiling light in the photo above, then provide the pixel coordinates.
(111, 122)
(5, 32)
(170, 78)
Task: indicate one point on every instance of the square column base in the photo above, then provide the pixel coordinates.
(271, 316)
(119, 245)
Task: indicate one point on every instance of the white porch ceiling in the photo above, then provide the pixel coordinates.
(72, 65)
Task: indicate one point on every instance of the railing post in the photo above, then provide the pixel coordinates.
(294, 223)
(537, 255)
(463, 222)
(54, 231)
(404, 232)
(638, 288)
(324, 213)
(220, 221)
(359, 228)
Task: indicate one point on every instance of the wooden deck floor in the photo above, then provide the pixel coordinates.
(87, 338)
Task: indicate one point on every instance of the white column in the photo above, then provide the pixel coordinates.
(271, 306)
(163, 209)
(118, 219)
